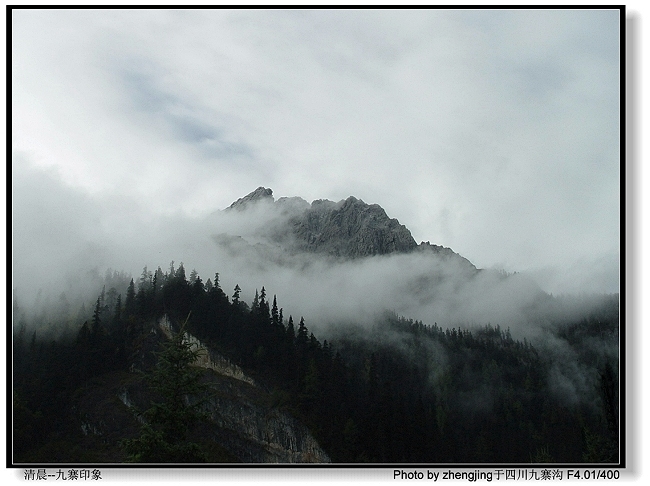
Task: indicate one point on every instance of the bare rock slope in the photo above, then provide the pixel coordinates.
(346, 229)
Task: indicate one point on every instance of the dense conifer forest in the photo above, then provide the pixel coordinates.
(402, 391)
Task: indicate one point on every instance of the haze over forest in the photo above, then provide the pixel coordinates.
(488, 354)
(242, 247)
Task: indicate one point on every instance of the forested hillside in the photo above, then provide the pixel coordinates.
(401, 391)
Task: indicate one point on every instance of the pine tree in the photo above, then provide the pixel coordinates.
(97, 322)
(198, 285)
(145, 280)
(129, 305)
(180, 273)
(275, 317)
(235, 296)
(159, 277)
(172, 271)
(193, 276)
(291, 332)
(255, 305)
(264, 305)
(302, 337)
(176, 383)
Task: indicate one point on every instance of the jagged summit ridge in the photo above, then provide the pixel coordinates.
(349, 228)
(259, 194)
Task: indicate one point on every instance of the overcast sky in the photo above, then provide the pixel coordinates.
(495, 133)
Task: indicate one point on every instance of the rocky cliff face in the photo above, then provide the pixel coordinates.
(259, 194)
(349, 228)
(246, 426)
(244, 421)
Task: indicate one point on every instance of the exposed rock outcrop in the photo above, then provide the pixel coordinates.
(350, 229)
(206, 358)
(259, 194)
(347, 229)
(244, 421)
(244, 424)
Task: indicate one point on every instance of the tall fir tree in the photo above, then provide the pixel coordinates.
(235, 296)
(179, 393)
(129, 304)
(275, 316)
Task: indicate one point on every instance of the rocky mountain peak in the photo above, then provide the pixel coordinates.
(349, 228)
(259, 194)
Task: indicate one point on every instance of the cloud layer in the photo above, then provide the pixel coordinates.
(495, 133)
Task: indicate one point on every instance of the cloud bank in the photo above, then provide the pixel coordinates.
(65, 240)
(495, 133)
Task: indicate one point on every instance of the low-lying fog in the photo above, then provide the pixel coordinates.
(64, 241)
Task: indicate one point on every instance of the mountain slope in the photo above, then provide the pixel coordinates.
(243, 425)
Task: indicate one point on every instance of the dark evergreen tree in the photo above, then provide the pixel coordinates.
(172, 271)
(275, 316)
(129, 304)
(145, 279)
(198, 285)
(180, 273)
(263, 304)
(235, 296)
(302, 336)
(291, 332)
(255, 305)
(97, 321)
(176, 384)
